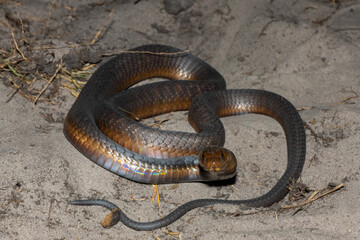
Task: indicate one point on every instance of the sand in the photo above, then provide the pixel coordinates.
(307, 51)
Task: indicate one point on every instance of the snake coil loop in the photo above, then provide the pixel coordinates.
(102, 124)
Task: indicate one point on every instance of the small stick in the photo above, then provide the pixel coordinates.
(102, 27)
(156, 193)
(48, 83)
(313, 197)
(173, 234)
(146, 52)
(17, 47)
(346, 99)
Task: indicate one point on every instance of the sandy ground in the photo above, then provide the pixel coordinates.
(307, 51)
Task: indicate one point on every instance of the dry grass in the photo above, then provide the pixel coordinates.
(23, 80)
(317, 194)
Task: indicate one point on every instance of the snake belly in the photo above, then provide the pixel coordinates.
(106, 98)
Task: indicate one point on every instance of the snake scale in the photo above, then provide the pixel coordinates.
(103, 125)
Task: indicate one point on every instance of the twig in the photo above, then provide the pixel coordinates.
(173, 234)
(102, 27)
(262, 32)
(314, 158)
(156, 194)
(313, 197)
(158, 121)
(346, 99)
(146, 52)
(13, 94)
(48, 83)
(50, 209)
(304, 108)
(17, 47)
(347, 29)
(7, 25)
(307, 126)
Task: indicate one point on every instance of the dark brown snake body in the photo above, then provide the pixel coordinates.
(102, 124)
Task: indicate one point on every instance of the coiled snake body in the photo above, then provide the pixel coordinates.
(102, 125)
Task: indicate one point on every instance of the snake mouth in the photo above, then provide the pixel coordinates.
(218, 162)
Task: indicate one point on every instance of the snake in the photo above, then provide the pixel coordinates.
(104, 125)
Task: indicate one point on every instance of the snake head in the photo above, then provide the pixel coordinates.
(217, 163)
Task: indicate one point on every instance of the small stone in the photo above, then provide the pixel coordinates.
(254, 167)
(176, 6)
(339, 134)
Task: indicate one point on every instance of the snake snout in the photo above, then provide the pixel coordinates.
(217, 162)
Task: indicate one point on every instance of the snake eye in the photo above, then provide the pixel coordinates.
(222, 154)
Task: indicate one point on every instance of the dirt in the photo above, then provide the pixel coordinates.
(306, 51)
